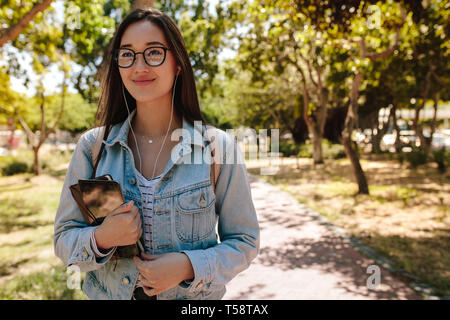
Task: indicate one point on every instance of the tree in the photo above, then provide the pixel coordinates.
(38, 137)
(7, 100)
(351, 119)
(279, 36)
(18, 20)
(429, 49)
(355, 27)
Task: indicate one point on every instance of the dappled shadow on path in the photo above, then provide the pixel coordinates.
(331, 254)
(295, 237)
(251, 291)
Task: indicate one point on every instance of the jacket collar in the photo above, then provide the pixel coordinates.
(191, 134)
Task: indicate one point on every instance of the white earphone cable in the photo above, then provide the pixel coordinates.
(165, 137)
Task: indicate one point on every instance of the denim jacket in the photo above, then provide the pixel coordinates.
(217, 229)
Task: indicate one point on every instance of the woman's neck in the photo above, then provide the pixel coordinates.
(152, 118)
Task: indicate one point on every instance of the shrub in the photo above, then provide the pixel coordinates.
(329, 150)
(289, 148)
(400, 157)
(416, 157)
(306, 151)
(15, 167)
(11, 165)
(441, 157)
(332, 150)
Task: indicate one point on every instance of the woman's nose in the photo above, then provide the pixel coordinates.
(140, 62)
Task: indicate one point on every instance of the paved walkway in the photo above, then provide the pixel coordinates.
(300, 258)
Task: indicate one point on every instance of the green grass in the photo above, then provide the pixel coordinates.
(28, 267)
(50, 284)
(415, 257)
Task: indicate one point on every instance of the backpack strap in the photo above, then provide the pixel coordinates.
(215, 167)
(97, 150)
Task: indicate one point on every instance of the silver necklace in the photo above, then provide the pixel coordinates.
(151, 139)
(168, 128)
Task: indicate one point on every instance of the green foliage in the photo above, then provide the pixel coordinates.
(48, 285)
(442, 158)
(289, 148)
(10, 165)
(333, 151)
(400, 156)
(419, 157)
(329, 150)
(416, 157)
(78, 115)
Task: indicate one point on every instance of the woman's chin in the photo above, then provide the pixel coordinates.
(143, 98)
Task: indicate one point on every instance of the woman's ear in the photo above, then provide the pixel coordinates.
(178, 70)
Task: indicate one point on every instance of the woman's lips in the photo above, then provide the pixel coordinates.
(143, 82)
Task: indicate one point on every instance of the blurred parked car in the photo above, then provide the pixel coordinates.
(440, 141)
(388, 142)
(409, 139)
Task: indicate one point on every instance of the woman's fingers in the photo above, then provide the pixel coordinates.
(146, 282)
(126, 207)
(141, 265)
(149, 291)
(147, 256)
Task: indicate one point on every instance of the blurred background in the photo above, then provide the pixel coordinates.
(359, 91)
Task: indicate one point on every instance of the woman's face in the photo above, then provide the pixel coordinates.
(139, 36)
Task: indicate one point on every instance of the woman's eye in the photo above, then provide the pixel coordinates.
(126, 54)
(154, 52)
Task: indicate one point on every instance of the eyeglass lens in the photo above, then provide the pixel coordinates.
(152, 56)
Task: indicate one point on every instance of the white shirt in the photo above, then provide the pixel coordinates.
(146, 188)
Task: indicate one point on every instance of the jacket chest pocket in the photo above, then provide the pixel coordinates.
(195, 214)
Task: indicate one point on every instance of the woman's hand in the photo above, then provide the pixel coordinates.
(162, 272)
(120, 228)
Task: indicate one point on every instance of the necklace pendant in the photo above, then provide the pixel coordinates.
(150, 140)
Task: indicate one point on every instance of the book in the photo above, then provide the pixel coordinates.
(96, 198)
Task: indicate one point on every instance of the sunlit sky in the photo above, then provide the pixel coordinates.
(54, 78)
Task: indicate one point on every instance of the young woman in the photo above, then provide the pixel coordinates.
(149, 114)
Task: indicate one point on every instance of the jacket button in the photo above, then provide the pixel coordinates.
(199, 285)
(133, 181)
(126, 281)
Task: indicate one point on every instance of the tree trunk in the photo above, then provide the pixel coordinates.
(315, 123)
(429, 140)
(376, 141)
(352, 154)
(36, 168)
(317, 148)
(12, 129)
(396, 129)
(350, 122)
(416, 126)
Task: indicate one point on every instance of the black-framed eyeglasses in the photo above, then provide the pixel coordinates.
(153, 56)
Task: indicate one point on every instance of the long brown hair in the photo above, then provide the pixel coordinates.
(111, 109)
